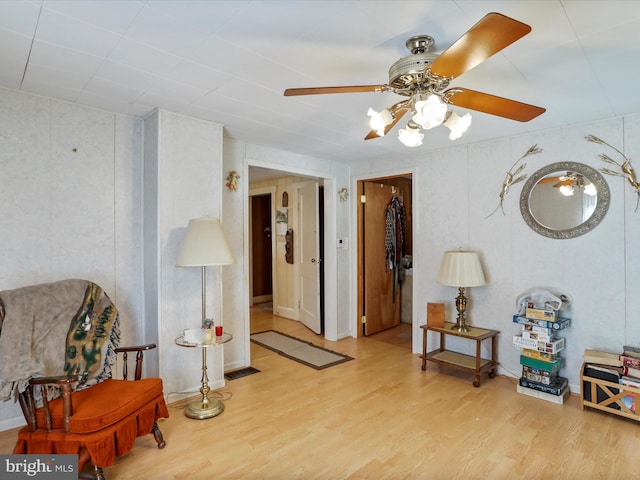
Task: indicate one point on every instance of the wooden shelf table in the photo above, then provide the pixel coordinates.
(469, 363)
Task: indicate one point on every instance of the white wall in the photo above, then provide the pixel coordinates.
(183, 180)
(72, 206)
(70, 203)
(455, 189)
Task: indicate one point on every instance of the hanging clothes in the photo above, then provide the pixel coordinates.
(394, 239)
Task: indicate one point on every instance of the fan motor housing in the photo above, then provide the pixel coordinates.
(410, 70)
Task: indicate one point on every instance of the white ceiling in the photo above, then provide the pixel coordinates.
(230, 61)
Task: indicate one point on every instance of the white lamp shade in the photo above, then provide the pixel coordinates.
(205, 244)
(461, 269)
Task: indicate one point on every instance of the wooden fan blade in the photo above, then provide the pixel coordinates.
(568, 181)
(486, 38)
(549, 179)
(398, 112)
(289, 92)
(499, 106)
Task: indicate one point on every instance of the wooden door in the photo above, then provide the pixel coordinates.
(261, 239)
(381, 295)
(310, 261)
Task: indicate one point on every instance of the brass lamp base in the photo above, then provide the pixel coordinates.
(460, 327)
(201, 411)
(461, 306)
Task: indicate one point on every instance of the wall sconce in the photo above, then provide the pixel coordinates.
(343, 193)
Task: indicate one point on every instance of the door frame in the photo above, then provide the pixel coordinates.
(330, 254)
(356, 329)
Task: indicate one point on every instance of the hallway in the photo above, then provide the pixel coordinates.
(262, 318)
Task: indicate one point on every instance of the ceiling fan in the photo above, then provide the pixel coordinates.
(424, 77)
(569, 182)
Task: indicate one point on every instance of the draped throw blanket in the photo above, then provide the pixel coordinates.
(36, 321)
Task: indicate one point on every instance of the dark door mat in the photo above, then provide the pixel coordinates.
(242, 372)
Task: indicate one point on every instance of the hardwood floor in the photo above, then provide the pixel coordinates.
(379, 417)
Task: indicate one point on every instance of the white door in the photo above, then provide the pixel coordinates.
(309, 306)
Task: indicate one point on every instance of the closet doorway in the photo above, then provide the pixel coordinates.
(385, 245)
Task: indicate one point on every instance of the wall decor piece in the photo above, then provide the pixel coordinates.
(564, 200)
(343, 193)
(285, 199)
(512, 177)
(282, 221)
(626, 170)
(232, 181)
(288, 246)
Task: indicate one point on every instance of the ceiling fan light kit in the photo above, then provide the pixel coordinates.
(457, 124)
(411, 136)
(424, 77)
(379, 120)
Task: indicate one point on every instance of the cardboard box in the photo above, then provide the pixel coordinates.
(545, 357)
(538, 333)
(435, 314)
(558, 324)
(534, 374)
(539, 314)
(560, 399)
(551, 367)
(532, 344)
(554, 388)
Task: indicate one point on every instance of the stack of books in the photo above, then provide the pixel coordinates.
(540, 355)
(630, 359)
(603, 366)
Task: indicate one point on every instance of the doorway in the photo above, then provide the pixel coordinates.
(297, 212)
(385, 252)
(261, 254)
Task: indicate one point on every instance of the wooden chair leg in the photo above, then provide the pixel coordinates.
(157, 434)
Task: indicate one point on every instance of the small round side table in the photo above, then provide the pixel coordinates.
(205, 407)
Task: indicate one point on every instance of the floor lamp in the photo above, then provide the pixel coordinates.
(461, 269)
(204, 244)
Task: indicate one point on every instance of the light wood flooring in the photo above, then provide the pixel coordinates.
(379, 417)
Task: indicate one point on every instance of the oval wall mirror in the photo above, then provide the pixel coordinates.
(564, 200)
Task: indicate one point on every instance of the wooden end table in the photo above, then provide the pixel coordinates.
(469, 363)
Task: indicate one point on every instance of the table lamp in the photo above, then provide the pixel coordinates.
(461, 269)
(204, 244)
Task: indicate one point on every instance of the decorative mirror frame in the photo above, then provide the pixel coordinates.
(602, 206)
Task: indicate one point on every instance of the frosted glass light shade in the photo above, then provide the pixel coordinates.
(204, 244)
(411, 137)
(461, 269)
(430, 112)
(457, 124)
(379, 120)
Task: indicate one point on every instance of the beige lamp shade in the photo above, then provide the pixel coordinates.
(461, 269)
(205, 244)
